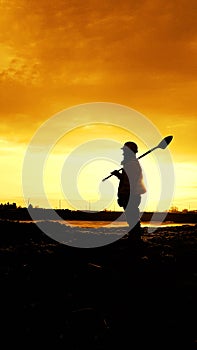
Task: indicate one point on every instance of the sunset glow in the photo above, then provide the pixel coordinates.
(138, 54)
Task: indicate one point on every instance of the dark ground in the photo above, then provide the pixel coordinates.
(118, 296)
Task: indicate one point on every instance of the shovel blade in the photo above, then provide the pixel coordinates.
(165, 142)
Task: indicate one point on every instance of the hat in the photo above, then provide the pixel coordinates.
(131, 145)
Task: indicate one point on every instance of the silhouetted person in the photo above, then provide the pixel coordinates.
(131, 187)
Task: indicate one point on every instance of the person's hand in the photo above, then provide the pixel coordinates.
(116, 173)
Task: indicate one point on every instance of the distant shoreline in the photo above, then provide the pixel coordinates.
(66, 214)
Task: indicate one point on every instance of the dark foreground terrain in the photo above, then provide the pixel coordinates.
(122, 295)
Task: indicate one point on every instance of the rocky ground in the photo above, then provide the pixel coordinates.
(122, 295)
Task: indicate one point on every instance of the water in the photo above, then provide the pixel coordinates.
(108, 224)
(117, 224)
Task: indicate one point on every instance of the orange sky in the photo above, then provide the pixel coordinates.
(58, 54)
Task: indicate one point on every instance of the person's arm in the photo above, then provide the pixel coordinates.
(117, 174)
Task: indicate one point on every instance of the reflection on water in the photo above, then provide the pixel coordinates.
(118, 224)
(109, 224)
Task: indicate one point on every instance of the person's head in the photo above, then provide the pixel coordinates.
(130, 148)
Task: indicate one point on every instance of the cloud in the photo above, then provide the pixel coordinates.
(57, 54)
(20, 71)
(69, 39)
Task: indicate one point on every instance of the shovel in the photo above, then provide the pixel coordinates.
(163, 144)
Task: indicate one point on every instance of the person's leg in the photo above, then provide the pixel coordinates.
(132, 214)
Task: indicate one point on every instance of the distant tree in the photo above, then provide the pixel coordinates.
(174, 209)
(8, 205)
